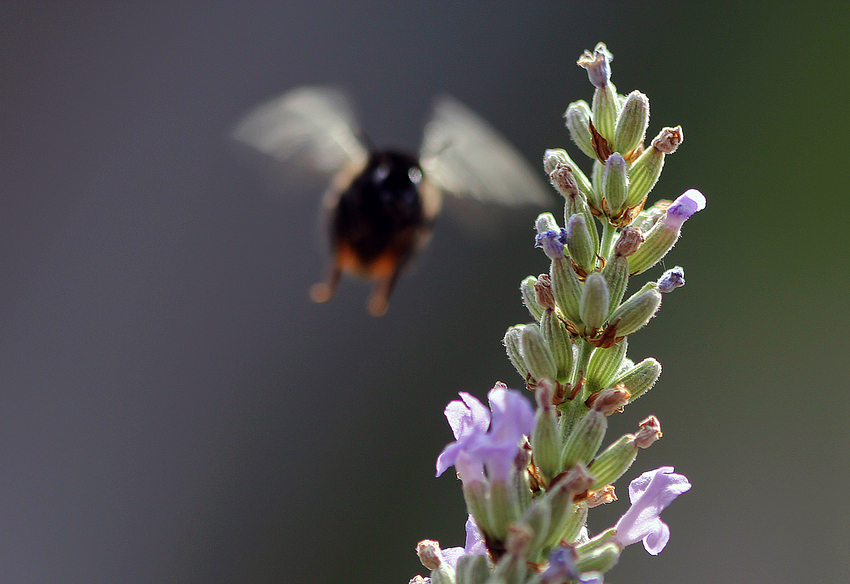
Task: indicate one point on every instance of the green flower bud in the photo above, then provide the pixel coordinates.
(603, 366)
(605, 110)
(584, 440)
(599, 559)
(558, 339)
(660, 240)
(529, 297)
(546, 222)
(635, 312)
(503, 509)
(640, 378)
(472, 569)
(580, 243)
(559, 162)
(613, 461)
(632, 123)
(595, 301)
(536, 355)
(646, 169)
(512, 346)
(546, 436)
(615, 184)
(578, 123)
(616, 273)
(566, 288)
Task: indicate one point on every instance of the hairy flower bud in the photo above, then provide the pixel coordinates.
(616, 274)
(614, 461)
(639, 378)
(546, 437)
(529, 297)
(635, 312)
(566, 288)
(615, 183)
(605, 111)
(536, 355)
(585, 439)
(578, 123)
(558, 339)
(512, 346)
(562, 171)
(603, 366)
(595, 301)
(581, 243)
(546, 222)
(632, 124)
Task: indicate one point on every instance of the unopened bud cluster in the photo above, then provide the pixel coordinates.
(530, 476)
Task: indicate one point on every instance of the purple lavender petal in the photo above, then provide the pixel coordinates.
(467, 418)
(686, 205)
(650, 494)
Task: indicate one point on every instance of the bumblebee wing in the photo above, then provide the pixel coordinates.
(313, 126)
(465, 156)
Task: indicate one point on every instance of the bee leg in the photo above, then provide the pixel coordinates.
(379, 298)
(324, 291)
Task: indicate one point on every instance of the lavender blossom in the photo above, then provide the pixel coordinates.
(552, 242)
(683, 207)
(649, 495)
(485, 441)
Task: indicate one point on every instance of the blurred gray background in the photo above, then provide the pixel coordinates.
(174, 409)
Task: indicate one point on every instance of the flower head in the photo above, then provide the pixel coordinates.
(649, 495)
(686, 205)
(552, 242)
(598, 65)
(671, 279)
(483, 439)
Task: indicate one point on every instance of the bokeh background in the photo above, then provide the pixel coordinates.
(174, 409)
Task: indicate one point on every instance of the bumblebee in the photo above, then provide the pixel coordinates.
(381, 205)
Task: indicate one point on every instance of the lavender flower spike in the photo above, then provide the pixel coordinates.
(649, 495)
(475, 545)
(686, 205)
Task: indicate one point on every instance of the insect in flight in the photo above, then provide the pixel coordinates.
(381, 205)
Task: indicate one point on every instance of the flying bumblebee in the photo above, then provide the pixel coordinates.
(381, 205)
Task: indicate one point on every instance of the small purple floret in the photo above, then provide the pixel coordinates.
(649, 495)
(598, 65)
(671, 279)
(686, 205)
(483, 439)
(552, 242)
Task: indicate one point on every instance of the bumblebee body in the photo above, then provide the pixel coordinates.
(382, 204)
(377, 223)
